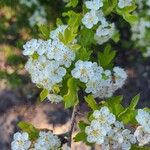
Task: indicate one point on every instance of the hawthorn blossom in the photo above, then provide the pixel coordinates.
(94, 4)
(90, 19)
(20, 141)
(124, 3)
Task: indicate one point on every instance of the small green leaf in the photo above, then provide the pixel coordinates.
(44, 94)
(45, 31)
(134, 147)
(114, 105)
(72, 3)
(75, 47)
(82, 125)
(81, 136)
(84, 54)
(91, 102)
(116, 37)
(128, 115)
(30, 129)
(105, 58)
(71, 98)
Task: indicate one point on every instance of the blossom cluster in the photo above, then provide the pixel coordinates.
(141, 29)
(45, 141)
(124, 3)
(52, 60)
(105, 30)
(39, 15)
(105, 130)
(142, 132)
(101, 83)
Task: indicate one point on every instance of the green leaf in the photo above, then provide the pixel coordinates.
(87, 37)
(72, 3)
(68, 36)
(30, 129)
(130, 18)
(45, 31)
(71, 98)
(59, 22)
(134, 147)
(109, 5)
(91, 102)
(81, 136)
(75, 47)
(82, 125)
(105, 58)
(114, 105)
(74, 20)
(116, 37)
(44, 94)
(128, 115)
(84, 54)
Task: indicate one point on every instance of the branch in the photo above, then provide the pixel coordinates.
(73, 120)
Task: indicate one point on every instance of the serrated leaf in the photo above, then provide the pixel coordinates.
(45, 31)
(105, 58)
(71, 98)
(84, 54)
(81, 136)
(87, 37)
(114, 105)
(72, 3)
(82, 125)
(128, 115)
(91, 102)
(44, 94)
(30, 129)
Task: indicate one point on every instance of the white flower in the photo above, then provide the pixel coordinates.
(143, 118)
(95, 133)
(54, 34)
(94, 4)
(142, 136)
(31, 46)
(104, 117)
(20, 141)
(128, 139)
(124, 3)
(104, 32)
(38, 17)
(90, 19)
(55, 98)
(119, 73)
(47, 141)
(82, 70)
(43, 47)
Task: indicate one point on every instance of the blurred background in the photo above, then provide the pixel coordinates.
(19, 98)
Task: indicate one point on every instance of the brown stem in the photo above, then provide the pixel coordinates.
(73, 120)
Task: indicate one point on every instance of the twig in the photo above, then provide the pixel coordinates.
(73, 120)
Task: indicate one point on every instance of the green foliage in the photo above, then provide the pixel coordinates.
(84, 54)
(129, 113)
(91, 102)
(30, 129)
(87, 37)
(44, 94)
(114, 105)
(116, 36)
(109, 6)
(134, 147)
(45, 31)
(71, 98)
(72, 3)
(126, 13)
(105, 58)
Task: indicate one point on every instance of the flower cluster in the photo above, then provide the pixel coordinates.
(101, 83)
(141, 29)
(105, 30)
(108, 132)
(48, 61)
(45, 141)
(142, 132)
(21, 141)
(38, 17)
